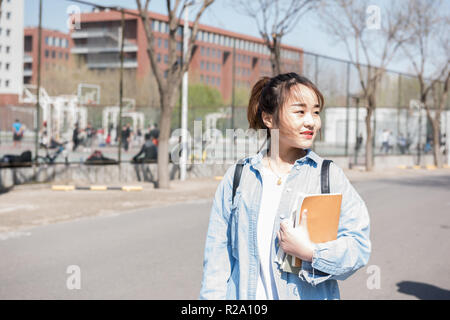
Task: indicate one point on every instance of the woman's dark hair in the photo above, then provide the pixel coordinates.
(269, 94)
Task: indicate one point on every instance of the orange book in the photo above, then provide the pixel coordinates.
(322, 217)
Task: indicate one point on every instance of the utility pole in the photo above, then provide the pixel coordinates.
(184, 102)
(38, 113)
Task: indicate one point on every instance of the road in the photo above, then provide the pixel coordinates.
(157, 253)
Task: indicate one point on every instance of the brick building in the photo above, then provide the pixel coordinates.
(11, 51)
(97, 43)
(55, 52)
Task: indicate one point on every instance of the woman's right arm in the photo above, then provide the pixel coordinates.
(218, 260)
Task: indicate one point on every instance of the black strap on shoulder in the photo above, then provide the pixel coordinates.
(325, 176)
(237, 177)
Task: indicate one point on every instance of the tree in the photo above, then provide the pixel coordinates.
(427, 48)
(274, 19)
(168, 81)
(348, 22)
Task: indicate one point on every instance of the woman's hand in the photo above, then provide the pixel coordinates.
(295, 241)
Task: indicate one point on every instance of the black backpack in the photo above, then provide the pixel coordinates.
(324, 176)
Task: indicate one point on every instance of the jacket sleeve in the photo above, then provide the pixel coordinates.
(218, 260)
(339, 259)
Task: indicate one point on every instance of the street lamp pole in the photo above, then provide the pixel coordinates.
(184, 101)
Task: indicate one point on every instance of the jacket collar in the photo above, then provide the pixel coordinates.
(310, 155)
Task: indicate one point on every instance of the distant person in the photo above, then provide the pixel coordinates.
(443, 144)
(428, 144)
(43, 134)
(18, 129)
(125, 136)
(401, 143)
(149, 150)
(89, 135)
(385, 141)
(359, 141)
(154, 133)
(75, 137)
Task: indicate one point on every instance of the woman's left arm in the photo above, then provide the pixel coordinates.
(351, 251)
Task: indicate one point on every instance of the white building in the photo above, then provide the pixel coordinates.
(11, 51)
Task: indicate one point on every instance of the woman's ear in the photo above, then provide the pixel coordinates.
(267, 119)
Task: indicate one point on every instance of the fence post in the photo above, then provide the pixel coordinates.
(347, 102)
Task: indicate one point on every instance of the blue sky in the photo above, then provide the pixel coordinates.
(307, 34)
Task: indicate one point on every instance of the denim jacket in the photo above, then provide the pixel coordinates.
(231, 263)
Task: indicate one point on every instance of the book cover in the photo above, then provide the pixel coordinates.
(323, 221)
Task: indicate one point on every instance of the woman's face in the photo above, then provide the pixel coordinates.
(299, 119)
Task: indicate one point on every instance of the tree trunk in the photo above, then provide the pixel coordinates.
(167, 104)
(275, 57)
(369, 147)
(436, 142)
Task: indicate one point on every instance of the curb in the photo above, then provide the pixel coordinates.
(427, 167)
(95, 188)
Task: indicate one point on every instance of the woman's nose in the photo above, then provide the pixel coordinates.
(308, 120)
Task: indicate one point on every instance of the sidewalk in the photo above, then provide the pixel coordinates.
(28, 206)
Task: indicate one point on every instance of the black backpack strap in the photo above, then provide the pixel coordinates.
(325, 176)
(237, 177)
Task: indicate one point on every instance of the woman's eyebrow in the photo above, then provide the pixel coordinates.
(303, 105)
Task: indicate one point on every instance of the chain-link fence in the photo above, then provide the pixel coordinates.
(79, 104)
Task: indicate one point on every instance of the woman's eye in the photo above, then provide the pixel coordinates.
(317, 112)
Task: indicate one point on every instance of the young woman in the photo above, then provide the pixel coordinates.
(245, 234)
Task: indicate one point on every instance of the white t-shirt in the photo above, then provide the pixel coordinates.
(270, 200)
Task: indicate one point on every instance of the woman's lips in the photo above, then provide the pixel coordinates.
(308, 134)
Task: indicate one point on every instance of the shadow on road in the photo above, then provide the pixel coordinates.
(423, 291)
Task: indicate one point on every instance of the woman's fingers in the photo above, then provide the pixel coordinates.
(279, 236)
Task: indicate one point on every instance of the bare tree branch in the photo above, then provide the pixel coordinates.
(274, 19)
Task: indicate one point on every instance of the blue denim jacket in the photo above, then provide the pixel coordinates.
(231, 263)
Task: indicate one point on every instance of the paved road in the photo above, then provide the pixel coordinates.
(157, 253)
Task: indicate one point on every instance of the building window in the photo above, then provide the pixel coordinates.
(46, 53)
(207, 52)
(213, 67)
(202, 50)
(8, 32)
(218, 53)
(166, 58)
(158, 57)
(202, 65)
(6, 83)
(53, 54)
(218, 81)
(166, 43)
(159, 42)
(67, 56)
(8, 15)
(201, 78)
(207, 65)
(6, 66)
(218, 68)
(207, 79)
(60, 55)
(7, 49)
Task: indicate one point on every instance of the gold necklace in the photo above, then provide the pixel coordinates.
(279, 177)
